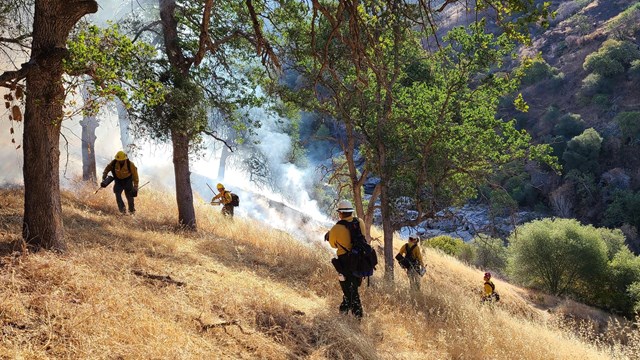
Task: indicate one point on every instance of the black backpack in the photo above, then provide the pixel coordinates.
(494, 294)
(408, 262)
(361, 260)
(235, 200)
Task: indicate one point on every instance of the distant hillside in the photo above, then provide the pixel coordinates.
(587, 77)
(137, 288)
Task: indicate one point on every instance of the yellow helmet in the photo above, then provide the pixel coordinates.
(220, 186)
(121, 156)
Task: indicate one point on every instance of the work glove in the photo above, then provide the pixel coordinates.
(134, 192)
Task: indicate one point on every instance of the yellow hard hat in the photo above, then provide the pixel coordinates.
(121, 156)
(220, 186)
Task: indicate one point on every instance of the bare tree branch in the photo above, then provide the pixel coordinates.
(204, 33)
(213, 135)
(17, 40)
(148, 27)
(262, 45)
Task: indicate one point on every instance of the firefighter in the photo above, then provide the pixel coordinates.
(125, 176)
(224, 197)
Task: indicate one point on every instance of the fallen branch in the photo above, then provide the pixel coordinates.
(204, 327)
(163, 278)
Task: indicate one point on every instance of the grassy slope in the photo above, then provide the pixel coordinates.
(281, 293)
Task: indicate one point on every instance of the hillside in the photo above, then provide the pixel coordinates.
(135, 287)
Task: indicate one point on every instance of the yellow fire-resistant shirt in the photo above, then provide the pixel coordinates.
(224, 197)
(488, 288)
(416, 254)
(122, 171)
(340, 238)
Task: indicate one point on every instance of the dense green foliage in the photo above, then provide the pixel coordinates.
(624, 209)
(629, 123)
(564, 257)
(556, 255)
(447, 244)
(613, 58)
(116, 66)
(569, 126)
(582, 152)
(489, 253)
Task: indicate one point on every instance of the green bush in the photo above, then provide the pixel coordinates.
(627, 22)
(634, 70)
(490, 253)
(629, 123)
(467, 253)
(557, 255)
(447, 244)
(613, 58)
(559, 145)
(552, 115)
(601, 100)
(634, 292)
(583, 151)
(624, 271)
(570, 125)
(594, 84)
(614, 240)
(624, 209)
(537, 71)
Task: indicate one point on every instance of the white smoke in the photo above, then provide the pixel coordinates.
(291, 210)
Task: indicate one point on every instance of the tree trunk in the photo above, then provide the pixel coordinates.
(184, 194)
(53, 20)
(89, 125)
(386, 215)
(223, 162)
(124, 122)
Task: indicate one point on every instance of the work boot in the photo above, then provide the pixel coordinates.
(344, 306)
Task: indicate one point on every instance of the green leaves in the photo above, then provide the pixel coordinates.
(116, 67)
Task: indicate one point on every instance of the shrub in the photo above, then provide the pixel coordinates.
(595, 84)
(569, 126)
(612, 58)
(552, 114)
(490, 253)
(634, 292)
(583, 151)
(634, 70)
(556, 255)
(559, 145)
(627, 22)
(601, 100)
(629, 123)
(447, 244)
(624, 209)
(624, 270)
(537, 71)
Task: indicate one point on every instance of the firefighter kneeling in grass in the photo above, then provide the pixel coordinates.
(412, 261)
(489, 291)
(224, 197)
(125, 176)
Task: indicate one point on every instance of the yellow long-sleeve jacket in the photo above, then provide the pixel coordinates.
(340, 237)
(416, 254)
(122, 170)
(224, 198)
(488, 288)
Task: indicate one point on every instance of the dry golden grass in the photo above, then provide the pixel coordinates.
(250, 292)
